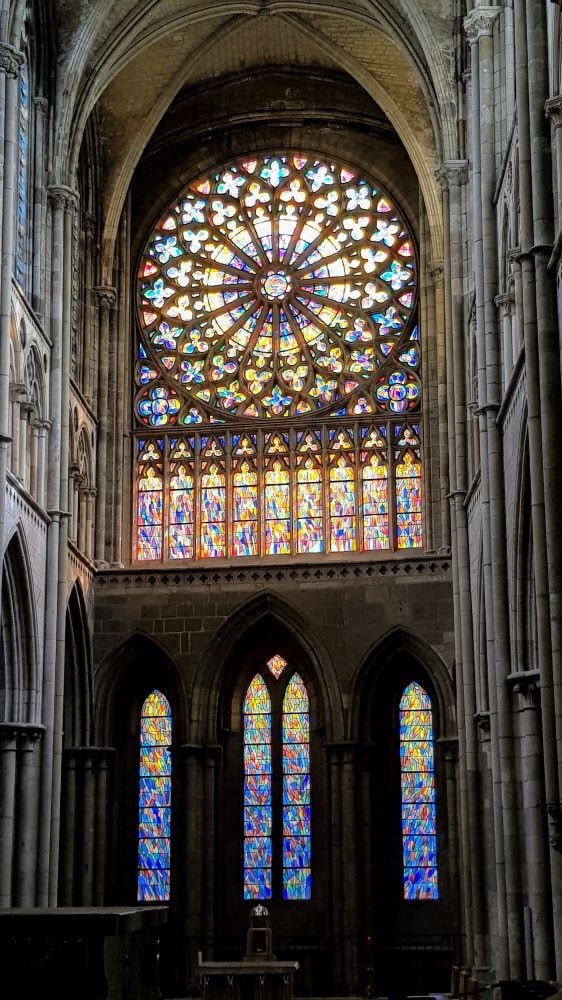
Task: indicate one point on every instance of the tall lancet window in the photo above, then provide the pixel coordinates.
(277, 855)
(419, 830)
(155, 796)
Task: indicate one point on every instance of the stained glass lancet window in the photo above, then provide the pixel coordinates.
(257, 791)
(23, 179)
(419, 830)
(277, 784)
(280, 289)
(296, 792)
(155, 793)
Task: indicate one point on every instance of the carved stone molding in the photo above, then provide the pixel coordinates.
(525, 685)
(452, 173)
(62, 197)
(480, 23)
(10, 59)
(106, 296)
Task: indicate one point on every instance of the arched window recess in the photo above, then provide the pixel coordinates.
(278, 393)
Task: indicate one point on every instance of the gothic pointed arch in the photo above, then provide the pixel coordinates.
(397, 645)
(18, 642)
(77, 672)
(254, 618)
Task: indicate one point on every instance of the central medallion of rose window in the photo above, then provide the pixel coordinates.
(275, 285)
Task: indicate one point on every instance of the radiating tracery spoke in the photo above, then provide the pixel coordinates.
(279, 286)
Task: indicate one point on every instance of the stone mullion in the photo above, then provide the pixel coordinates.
(479, 27)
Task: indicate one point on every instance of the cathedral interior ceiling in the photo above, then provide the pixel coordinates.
(399, 53)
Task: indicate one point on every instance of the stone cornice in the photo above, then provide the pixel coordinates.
(152, 578)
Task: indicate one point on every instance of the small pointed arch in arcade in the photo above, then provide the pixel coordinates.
(141, 714)
(403, 719)
(18, 640)
(77, 672)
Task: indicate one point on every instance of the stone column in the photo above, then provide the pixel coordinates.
(67, 875)
(38, 275)
(337, 859)
(87, 831)
(29, 737)
(505, 306)
(63, 204)
(73, 492)
(44, 427)
(106, 302)
(26, 409)
(17, 397)
(82, 514)
(191, 864)
(437, 270)
(479, 25)
(90, 521)
(103, 762)
(8, 749)
(526, 696)
(33, 483)
(10, 63)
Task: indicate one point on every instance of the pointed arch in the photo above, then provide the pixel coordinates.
(18, 641)
(77, 672)
(399, 644)
(212, 691)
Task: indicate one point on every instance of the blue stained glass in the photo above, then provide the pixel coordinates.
(296, 789)
(155, 791)
(257, 758)
(153, 885)
(257, 789)
(257, 883)
(419, 840)
(257, 852)
(296, 758)
(153, 852)
(154, 821)
(257, 821)
(297, 883)
(296, 852)
(296, 820)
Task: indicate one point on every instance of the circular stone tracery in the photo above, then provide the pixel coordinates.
(279, 285)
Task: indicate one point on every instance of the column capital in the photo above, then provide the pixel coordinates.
(91, 494)
(18, 391)
(106, 296)
(525, 685)
(437, 270)
(554, 813)
(505, 304)
(62, 196)
(11, 59)
(452, 173)
(89, 223)
(41, 104)
(553, 110)
(480, 23)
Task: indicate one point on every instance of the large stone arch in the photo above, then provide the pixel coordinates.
(265, 608)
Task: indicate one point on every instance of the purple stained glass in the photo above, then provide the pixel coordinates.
(419, 830)
(155, 792)
(257, 883)
(297, 883)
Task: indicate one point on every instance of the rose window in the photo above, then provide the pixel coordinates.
(277, 375)
(278, 286)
